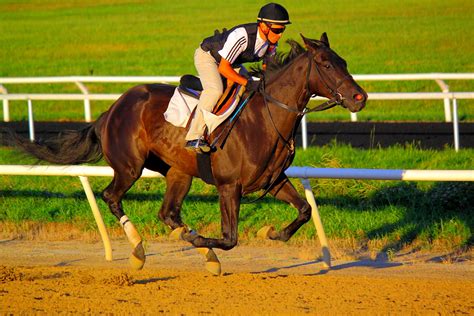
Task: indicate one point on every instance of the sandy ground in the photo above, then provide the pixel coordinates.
(73, 277)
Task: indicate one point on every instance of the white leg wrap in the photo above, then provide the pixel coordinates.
(130, 230)
(123, 220)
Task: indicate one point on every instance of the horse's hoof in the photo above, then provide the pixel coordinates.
(265, 232)
(137, 258)
(212, 262)
(136, 263)
(213, 267)
(177, 234)
(203, 251)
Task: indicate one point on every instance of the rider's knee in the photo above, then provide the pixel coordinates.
(213, 94)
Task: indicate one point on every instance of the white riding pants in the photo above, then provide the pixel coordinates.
(208, 71)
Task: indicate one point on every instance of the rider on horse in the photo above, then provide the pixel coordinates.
(218, 55)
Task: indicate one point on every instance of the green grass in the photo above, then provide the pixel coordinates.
(392, 213)
(120, 38)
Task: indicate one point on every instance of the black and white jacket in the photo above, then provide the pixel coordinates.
(239, 45)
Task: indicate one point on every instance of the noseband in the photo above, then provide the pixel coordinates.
(337, 98)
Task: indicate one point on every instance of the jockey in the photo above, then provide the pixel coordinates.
(218, 55)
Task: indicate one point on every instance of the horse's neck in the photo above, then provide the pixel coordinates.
(289, 85)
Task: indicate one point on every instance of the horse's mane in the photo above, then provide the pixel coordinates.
(280, 60)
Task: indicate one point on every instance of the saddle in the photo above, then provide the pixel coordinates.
(192, 86)
(186, 97)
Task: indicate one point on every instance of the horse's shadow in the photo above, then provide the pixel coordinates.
(153, 280)
(366, 263)
(66, 263)
(355, 264)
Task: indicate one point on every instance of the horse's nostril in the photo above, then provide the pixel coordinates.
(358, 97)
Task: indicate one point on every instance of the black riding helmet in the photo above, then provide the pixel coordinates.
(274, 13)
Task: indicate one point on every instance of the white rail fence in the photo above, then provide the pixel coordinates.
(451, 115)
(303, 173)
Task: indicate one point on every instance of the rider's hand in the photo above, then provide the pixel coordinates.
(252, 86)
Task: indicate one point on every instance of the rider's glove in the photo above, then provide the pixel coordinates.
(252, 86)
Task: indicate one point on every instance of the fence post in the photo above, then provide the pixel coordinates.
(87, 102)
(353, 117)
(304, 132)
(98, 217)
(447, 108)
(31, 124)
(6, 107)
(317, 222)
(455, 125)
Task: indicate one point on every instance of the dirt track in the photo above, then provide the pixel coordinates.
(72, 276)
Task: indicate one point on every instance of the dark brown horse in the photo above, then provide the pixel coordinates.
(133, 135)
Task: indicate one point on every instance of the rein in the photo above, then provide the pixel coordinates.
(289, 143)
(337, 98)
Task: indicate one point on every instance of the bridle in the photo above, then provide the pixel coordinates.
(337, 98)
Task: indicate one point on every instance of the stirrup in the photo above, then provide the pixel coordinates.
(203, 145)
(199, 144)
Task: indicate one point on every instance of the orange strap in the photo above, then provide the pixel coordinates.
(225, 69)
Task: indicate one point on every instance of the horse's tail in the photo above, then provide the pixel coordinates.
(70, 147)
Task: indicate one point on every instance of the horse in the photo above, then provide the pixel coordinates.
(260, 145)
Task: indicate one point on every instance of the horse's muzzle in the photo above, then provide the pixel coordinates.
(356, 103)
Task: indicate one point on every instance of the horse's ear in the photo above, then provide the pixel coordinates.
(324, 38)
(307, 42)
(312, 44)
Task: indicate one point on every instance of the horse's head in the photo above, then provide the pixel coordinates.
(330, 77)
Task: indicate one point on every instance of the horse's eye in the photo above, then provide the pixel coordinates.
(327, 66)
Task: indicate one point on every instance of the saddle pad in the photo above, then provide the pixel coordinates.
(181, 106)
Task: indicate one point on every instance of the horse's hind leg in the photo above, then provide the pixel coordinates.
(113, 195)
(177, 187)
(286, 192)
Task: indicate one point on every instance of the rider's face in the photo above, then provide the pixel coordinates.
(273, 32)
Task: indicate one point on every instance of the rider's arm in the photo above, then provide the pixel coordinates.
(235, 44)
(226, 70)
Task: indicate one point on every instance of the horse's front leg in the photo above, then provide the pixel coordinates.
(229, 198)
(284, 191)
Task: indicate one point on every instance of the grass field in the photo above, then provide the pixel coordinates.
(391, 214)
(118, 38)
